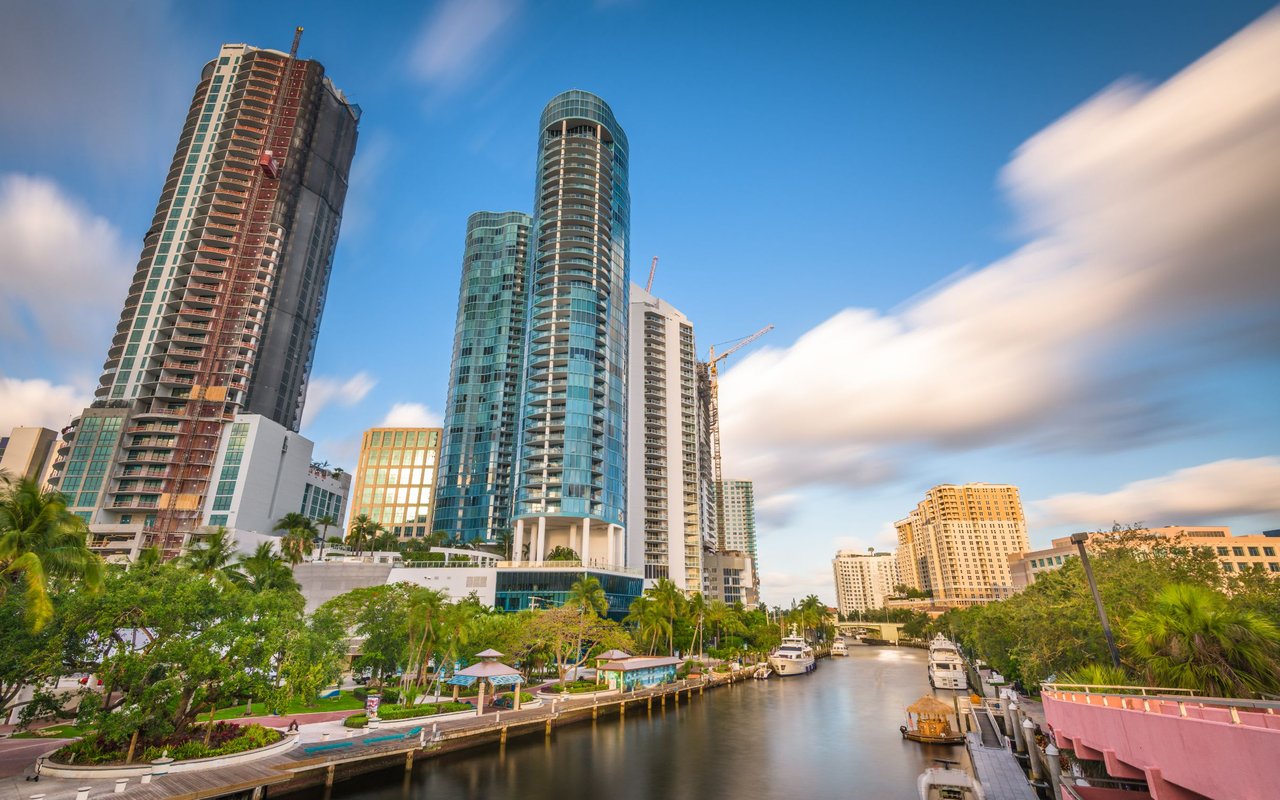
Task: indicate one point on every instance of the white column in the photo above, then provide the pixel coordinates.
(573, 540)
(542, 539)
(480, 699)
(517, 551)
(611, 547)
(619, 545)
(586, 540)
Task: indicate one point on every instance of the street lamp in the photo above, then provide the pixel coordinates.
(1078, 539)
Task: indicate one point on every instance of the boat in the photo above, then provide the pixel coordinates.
(948, 783)
(839, 648)
(929, 722)
(946, 665)
(793, 657)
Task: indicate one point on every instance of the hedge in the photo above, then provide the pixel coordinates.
(393, 712)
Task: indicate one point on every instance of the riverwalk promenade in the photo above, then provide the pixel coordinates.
(326, 752)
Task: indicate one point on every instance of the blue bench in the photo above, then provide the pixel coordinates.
(377, 739)
(320, 748)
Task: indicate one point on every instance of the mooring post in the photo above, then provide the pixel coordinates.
(548, 727)
(502, 738)
(328, 776)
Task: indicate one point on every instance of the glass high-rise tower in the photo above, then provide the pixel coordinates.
(224, 309)
(475, 486)
(572, 468)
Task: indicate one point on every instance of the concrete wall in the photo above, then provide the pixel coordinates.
(273, 469)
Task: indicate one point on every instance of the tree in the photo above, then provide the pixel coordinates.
(213, 557)
(587, 594)
(1192, 639)
(648, 621)
(670, 602)
(562, 553)
(299, 534)
(266, 571)
(571, 637)
(28, 657)
(42, 543)
(363, 530)
(325, 523)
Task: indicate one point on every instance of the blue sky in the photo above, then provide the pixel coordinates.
(949, 212)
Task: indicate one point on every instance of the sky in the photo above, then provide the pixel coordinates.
(1017, 243)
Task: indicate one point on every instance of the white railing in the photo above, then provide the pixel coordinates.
(1102, 688)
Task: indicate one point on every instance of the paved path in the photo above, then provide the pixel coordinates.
(16, 755)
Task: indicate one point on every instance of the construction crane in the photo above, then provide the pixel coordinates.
(653, 268)
(713, 395)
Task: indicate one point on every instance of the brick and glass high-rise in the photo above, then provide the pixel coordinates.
(475, 489)
(572, 463)
(223, 312)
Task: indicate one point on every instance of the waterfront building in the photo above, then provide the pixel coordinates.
(222, 315)
(740, 522)
(863, 580)
(474, 488)
(572, 478)
(1234, 553)
(729, 576)
(956, 542)
(667, 490)
(28, 453)
(630, 673)
(396, 478)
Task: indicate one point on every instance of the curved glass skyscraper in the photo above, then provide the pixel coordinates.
(572, 463)
(474, 489)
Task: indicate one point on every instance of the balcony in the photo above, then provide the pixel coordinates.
(1180, 745)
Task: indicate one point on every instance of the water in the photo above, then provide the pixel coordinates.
(830, 734)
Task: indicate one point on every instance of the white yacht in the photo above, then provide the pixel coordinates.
(793, 657)
(947, 782)
(839, 648)
(946, 665)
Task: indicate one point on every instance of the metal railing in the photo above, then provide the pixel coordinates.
(1102, 688)
(1155, 700)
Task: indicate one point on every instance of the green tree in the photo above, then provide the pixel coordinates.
(41, 543)
(324, 524)
(648, 621)
(562, 553)
(213, 557)
(571, 637)
(670, 602)
(1192, 639)
(587, 594)
(363, 531)
(266, 571)
(299, 535)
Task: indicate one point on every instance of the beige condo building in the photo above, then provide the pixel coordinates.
(863, 580)
(956, 542)
(395, 482)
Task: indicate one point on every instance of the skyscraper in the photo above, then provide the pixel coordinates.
(573, 453)
(395, 481)
(475, 492)
(863, 580)
(956, 542)
(670, 522)
(740, 521)
(223, 312)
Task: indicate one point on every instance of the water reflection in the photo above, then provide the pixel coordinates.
(831, 734)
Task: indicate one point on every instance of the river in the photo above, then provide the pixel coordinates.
(830, 734)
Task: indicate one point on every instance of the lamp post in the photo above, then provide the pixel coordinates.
(1078, 539)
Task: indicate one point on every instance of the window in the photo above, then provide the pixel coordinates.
(1268, 551)
(1253, 551)
(1239, 551)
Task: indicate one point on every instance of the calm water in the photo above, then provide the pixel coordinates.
(830, 734)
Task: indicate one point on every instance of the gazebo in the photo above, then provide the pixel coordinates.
(606, 657)
(490, 670)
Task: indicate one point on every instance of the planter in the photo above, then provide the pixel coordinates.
(53, 769)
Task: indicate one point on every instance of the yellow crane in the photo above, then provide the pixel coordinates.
(713, 396)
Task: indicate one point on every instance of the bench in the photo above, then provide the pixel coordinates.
(389, 738)
(320, 748)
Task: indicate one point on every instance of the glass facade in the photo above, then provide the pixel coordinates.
(474, 494)
(541, 588)
(394, 484)
(573, 424)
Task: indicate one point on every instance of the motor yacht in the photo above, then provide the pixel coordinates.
(793, 657)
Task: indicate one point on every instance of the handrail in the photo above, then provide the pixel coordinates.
(1143, 691)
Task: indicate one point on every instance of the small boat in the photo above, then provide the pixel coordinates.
(793, 657)
(929, 722)
(839, 648)
(948, 783)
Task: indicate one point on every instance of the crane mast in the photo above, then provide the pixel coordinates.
(714, 416)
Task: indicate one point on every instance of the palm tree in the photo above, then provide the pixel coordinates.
(300, 532)
(212, 556)
(670, 602)
(264, 570)
(1191, 638)
(587, 594)
(148, 558)
(384, 539)
(362, 531)
(326, 522)
(40, 543)
(648, 620)
(697, 607)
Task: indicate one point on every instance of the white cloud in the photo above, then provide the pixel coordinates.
(1208, 493)
(324, 391)
(38, 403)
(57, 257)
(1153, 215)
(780, 588)
(412, 415)
(458, 40)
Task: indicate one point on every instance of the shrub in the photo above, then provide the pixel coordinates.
(579, 686)
(393, 712)
(224, 740)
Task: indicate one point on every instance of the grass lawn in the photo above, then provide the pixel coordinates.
(344, 702)
(65, 731)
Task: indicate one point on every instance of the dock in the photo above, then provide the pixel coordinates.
(323, 763)
(993, 763)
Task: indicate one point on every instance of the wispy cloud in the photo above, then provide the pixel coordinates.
(57, 256)
(1153, 215)
(458, 40)
(38, 403)
(412, 415)
(1207, 493)
(323, 391)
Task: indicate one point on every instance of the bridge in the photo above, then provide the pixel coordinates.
(889, 631)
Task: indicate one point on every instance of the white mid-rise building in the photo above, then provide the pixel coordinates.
(863, 580)
(666, 481)
(740, 523)
(28, 453)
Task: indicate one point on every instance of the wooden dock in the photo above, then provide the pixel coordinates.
(1001, 776)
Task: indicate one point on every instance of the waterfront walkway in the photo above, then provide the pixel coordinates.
(327, 752)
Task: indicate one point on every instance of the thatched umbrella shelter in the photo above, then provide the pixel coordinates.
(489, 670)
(929, 720)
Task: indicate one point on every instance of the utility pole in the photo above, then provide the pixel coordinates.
(1078, 539)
